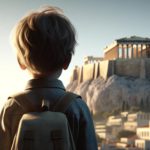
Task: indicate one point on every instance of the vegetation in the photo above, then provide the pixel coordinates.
(134, 109)
(143, 105)
(116, 111)
(101, 116)
(125, 133)
(125, 106)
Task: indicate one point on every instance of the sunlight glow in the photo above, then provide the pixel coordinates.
(11, 81)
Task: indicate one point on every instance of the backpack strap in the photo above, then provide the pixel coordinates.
(65, 101)
(61, 106)
(23, 101)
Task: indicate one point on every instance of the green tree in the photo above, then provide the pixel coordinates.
(116, 111)
(147, 107)
(142, 105)
(127, 107)
(125, 133)
(123, 105)
(134, 109)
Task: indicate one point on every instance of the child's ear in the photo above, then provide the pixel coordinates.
(67, 62)
(22, 66)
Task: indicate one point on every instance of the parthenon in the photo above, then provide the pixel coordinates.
(127, 48)
(124, 57)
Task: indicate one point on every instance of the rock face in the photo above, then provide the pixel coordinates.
(104, 95)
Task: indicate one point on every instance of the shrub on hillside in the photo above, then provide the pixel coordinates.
(125, 133)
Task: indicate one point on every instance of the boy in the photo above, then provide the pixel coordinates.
(44, 42)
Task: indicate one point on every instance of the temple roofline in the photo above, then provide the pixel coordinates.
(133, 39)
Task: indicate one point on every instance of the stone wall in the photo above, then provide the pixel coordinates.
(111, 54)
(131, 67)
(104, 69)
(147, 67)
(137, 68)
(88, 71)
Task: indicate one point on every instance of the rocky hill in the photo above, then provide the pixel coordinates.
(105, 95)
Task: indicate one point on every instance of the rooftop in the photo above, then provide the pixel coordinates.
(128, 40)
(134, 39)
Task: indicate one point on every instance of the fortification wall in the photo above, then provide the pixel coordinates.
(88, 71)
(131, 67)
(75, 74)
(138, 68)
(97, 70)
(104, 67)
(147, 67)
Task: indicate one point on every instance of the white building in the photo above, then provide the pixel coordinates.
(102, 130)
(114, 121)
(143, 132)
(131, 126)
(136, 120)
(126, 143)
(142, 144)
(124, 114)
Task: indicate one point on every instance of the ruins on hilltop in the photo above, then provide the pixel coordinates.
(128, 48)
(124, 57)
(91, 59)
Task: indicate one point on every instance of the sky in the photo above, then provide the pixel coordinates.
(98, 23)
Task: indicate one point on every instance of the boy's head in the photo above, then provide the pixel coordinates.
(44, 41)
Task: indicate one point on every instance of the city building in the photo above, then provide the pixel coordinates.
(138, 122)
(102, 130)
(125, 142)
(142, 144)
(135, 120)
(114, 121)
(124, 114)
(127, 48)
(144, 132)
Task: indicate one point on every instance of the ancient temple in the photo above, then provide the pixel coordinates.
(127, 48)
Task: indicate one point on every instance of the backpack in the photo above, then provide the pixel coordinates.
(45, 130)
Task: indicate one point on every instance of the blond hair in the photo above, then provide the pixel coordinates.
(44, 40)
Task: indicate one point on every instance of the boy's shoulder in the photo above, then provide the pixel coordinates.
(17, 94)
(16, 102)
(78, 108)
(11, 107)
(11, 100)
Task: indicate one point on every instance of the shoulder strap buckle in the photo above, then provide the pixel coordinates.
(45, 105)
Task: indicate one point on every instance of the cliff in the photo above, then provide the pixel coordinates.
(105, 95)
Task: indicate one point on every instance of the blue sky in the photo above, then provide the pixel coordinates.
(98, 23)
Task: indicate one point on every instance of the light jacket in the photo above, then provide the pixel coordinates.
(78, 114)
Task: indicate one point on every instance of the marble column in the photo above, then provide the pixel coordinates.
(127, 51)
(147, 50)
(141, 49)
(118, 51)
(123, 51)
(137, 50)
(132, 51)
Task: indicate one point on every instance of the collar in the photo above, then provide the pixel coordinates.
(44, 83)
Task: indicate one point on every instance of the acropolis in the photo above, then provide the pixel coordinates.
(127, 56)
